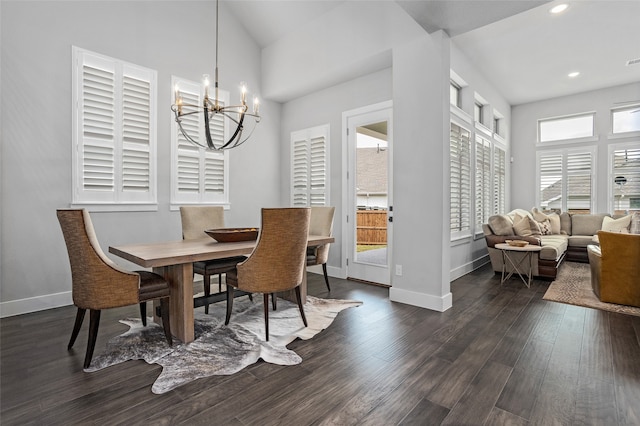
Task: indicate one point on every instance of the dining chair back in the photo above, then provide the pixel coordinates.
(277, 261)
(99, 283)
(195, 220)
(321, 224)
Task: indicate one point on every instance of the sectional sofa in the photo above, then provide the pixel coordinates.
(562, 236)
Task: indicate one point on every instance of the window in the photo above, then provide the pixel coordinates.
(625, 120)
(484, 182)
(455, 94)
(565, 128)
(565, 180)
(114, 136)
(309, 167)
(478, 112)
(460, 178)
(625, 178)
(499, 179)
(198, 176)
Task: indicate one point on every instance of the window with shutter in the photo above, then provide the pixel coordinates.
(309, 167)
(484, 182)
(460, 178)
(114, 134)
(625, 178)
(499, 180)
(565, 179)
(198, 176)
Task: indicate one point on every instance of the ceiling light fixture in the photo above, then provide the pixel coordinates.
(573, 74)
(212, 107)
(559, 8)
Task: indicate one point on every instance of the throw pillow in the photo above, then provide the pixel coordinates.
(610, 224)
(553, 218)
(545, 227)
(500, 225)
(526, 227)
(634, 228)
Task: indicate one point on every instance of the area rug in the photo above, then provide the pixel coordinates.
(220, 349)
(573, 286)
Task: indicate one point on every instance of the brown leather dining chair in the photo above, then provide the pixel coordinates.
(99, 283)
(195, 220)
(321, 224)
(277, 262)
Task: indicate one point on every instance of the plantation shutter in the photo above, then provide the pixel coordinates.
(199, 175)
(579, 171)
(550, 169)
(626, 193)
(309, 167)
(483, 181)
(115, 135)
(499, 176)
(136, 133)
(460, 179)
(97, 144)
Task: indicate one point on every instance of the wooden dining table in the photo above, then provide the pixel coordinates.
(174, 261)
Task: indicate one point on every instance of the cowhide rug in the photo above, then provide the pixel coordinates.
(220, 349)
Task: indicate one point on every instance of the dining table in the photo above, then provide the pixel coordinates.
(174, 261)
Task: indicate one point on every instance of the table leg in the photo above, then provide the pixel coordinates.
(180, 279)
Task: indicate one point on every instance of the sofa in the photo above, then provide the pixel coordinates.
(562, 236)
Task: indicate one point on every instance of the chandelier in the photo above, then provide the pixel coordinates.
(211, 107)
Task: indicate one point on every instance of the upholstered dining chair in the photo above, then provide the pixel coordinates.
(99, 283)
(195, 219)
(321, 224)
(277, 262)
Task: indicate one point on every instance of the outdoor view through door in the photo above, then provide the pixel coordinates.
(371, 193)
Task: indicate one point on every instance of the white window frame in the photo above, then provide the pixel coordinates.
(612, 189)
(185, 155)
(126, 148)
(565, 153)
(592, 138)
(309, 178)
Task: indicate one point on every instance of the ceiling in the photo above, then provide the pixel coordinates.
(516, 43)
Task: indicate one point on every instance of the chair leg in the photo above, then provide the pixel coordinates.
(207, 290)
(166, 324)
(326, 277)
(94, 323)
(219, 283)
(143, 313)
(273, 301)
(299, 300)
(229, 303)
(76, 327)
(251, 297)
(266, 315)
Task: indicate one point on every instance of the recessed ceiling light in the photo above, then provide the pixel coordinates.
(559, 8)
(573, 74)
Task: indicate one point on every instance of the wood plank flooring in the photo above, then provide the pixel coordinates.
(500, 356)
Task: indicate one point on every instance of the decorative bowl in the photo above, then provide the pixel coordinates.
(517, 243)
(232, 235)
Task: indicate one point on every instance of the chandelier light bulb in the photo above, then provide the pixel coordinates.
(243, 91)
(256, 105)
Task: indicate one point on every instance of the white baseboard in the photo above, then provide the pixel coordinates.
(462, 270)
(421, 300)
(33, 304)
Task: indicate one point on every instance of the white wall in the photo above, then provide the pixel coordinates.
(524, 137)
(469, 254)
(322, 107)
(36, 127)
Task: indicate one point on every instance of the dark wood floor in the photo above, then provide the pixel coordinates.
(500, 356)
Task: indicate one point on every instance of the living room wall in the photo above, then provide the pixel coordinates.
(36, 127)
(524, 137)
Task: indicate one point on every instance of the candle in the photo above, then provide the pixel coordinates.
(256, 105)
(206, 85)
(243, 97)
